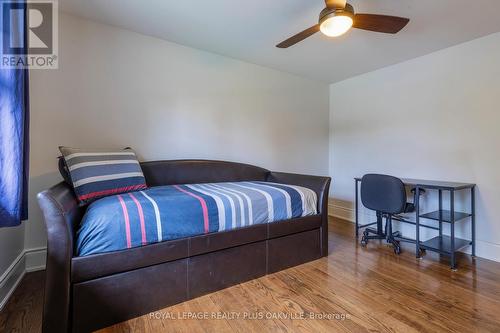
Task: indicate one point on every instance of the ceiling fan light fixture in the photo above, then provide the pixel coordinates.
(336, 26)
(336, 22)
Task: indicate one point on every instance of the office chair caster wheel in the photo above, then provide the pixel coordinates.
(397, 249)
(364, 241)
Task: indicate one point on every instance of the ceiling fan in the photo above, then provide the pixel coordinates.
(338, 17)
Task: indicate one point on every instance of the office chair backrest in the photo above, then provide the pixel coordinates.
(383, 193)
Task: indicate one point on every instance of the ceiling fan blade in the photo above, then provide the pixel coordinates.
(380, 23)
(299, 37)
(336, 3)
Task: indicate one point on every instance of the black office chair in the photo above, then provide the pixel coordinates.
(387, 196)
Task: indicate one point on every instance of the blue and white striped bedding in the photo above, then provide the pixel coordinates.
(176, 211)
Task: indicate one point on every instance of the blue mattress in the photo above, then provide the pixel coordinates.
(176, 211)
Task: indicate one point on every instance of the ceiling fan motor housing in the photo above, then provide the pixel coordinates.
(330, 12)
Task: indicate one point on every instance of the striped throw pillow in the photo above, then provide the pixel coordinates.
(96, 174)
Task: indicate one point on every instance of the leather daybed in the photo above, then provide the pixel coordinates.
(90, 292)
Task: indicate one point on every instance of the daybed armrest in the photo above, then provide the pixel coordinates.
(61, 214)
(320, 185)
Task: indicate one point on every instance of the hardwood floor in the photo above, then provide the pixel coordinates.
(354, 289)
(23, 311)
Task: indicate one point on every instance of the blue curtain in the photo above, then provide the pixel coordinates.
(14, 139)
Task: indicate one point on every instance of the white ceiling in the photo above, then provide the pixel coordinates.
(249, 30)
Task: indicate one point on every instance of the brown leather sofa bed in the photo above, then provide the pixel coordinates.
(87, 293)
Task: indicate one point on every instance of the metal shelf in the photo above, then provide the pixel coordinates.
(445, 216)
(443, 244)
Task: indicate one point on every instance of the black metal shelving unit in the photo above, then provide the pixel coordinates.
(444, 244)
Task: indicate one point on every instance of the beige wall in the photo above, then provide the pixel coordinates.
(116, 88)
(434, 117)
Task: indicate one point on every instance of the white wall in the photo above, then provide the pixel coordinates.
(434, 117)
(116, 88)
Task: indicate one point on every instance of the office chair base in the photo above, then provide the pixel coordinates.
(395, 234)
(397, 247)
(366, 236)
